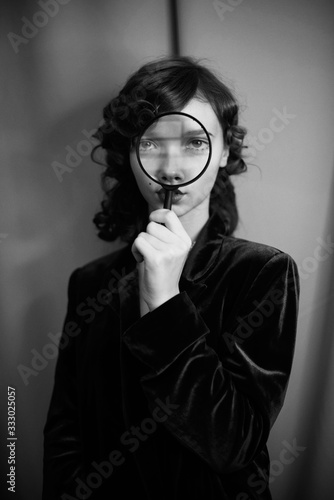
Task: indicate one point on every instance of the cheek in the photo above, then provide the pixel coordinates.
(201, 189)
(143, 182)
(209, 181)
(136, 170)
(134, 165)
(210, 175)
(204, 185)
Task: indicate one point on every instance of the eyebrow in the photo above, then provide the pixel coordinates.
(196, 132)
(189, 133)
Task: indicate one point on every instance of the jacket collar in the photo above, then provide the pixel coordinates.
(203, 256)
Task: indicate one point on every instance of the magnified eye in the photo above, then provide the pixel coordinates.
(146, 145)
(197, 145)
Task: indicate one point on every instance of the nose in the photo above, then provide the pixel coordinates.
(170, 171)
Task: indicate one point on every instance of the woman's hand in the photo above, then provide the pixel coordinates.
(161, 253)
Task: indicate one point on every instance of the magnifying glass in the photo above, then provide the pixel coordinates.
(173, 150)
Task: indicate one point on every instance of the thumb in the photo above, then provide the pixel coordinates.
(135, 252)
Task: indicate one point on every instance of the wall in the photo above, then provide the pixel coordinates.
(278, 56)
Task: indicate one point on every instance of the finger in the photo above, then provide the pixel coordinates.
(171, 221)
(145, 246)
(156, 243)
(161, 232)
(140, 247)
(136, 253)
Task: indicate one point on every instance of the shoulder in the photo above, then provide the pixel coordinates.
(255, 257)
(251, 268)
(93, 276)
(253, 250)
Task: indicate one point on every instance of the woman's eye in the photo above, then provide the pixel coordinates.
(146, 145)
(197, 145)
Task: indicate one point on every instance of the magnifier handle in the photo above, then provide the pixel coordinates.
(168, 199)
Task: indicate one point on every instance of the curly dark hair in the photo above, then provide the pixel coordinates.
(166, 84)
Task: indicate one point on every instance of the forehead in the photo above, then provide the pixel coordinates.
(174, 126)
(204, 112)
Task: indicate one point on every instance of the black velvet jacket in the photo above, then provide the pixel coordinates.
(178, 403)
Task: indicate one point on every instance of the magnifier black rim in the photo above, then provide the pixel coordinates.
(171, 187)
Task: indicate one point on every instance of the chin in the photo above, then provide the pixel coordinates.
(181, 210)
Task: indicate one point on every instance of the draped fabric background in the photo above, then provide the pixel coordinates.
(61, 61)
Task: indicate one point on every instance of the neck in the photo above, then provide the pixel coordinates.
(194, 220)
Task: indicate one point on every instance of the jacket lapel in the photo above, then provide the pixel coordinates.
(203, 256)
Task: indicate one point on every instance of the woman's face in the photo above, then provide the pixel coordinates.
(194, 197)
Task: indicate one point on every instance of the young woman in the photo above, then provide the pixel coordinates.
(177, 348)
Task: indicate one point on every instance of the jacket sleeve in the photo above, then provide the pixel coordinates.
(62, 448)
(227, 398)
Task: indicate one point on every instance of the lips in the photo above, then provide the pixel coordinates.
(175, 191)
(177, 195)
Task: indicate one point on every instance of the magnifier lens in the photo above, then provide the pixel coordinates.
(174, 149)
